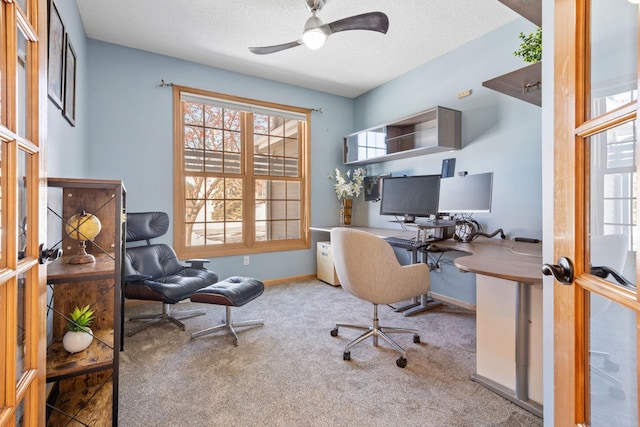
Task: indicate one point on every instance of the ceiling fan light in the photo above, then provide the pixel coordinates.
(634, 1)
(314, 38)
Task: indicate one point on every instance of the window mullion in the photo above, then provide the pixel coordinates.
(248, 198)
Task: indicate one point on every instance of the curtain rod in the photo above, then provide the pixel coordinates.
(164, 84)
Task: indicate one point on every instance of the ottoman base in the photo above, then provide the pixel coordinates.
(232, 292)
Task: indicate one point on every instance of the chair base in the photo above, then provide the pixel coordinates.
(229, 325)
(374, 331)
(168, 315)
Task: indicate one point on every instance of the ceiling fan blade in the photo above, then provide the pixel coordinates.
(372, 21)
(276, 48)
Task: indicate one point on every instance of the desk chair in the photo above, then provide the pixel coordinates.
(368, 269)
(154, 273)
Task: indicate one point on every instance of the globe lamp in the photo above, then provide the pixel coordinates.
(82, 227)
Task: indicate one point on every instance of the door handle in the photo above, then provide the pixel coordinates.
(562, 271)
(45, 255)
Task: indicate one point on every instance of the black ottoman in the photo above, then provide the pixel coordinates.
(232, 292)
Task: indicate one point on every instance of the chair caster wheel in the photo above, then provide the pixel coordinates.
(334, 332)
(616, 393)
(611, 366)
(346, 355)
(401, 362)
(416, 339)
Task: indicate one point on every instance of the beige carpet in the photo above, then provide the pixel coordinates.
(290, 372)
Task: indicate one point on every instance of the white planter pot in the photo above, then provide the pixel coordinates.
(74, 342)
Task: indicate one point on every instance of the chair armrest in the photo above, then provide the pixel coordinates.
(136, 278)
(197, 263)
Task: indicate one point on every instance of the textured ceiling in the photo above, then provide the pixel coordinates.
(219, 32)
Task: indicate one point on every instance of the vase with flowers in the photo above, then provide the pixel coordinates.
(347, 186)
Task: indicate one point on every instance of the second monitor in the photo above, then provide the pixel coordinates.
(468, 194)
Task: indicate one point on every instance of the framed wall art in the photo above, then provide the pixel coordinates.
(56, 56)
(69, 110)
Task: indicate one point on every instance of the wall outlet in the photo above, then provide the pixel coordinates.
(246, 260)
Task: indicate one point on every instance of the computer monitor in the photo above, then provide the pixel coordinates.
(410, 196)
(467, 194)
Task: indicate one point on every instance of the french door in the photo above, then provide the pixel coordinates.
(596, 232)
(23, 97)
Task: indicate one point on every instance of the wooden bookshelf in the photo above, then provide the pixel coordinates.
(84, 406)
(84, 385)
(529, 9)
(61, 271)
(525, 83)
(98, 356)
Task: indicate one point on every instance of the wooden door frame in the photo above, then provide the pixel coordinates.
(571, 223)
(42, 78)
(565, 63)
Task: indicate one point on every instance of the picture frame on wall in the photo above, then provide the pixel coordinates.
(69, 110)
(56, 56)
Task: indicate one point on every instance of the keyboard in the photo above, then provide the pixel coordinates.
(405, 243)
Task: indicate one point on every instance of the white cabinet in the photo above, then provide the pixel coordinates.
(326, 270)
(431, 131)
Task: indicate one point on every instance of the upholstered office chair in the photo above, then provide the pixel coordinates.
(154, 273)
(608, 257)
(367, 268)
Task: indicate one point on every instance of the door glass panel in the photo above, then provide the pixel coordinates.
(3, 260)
(613, 200)
(21, 113)
(614, 52)
(23, 4)
(3, 55)
(612, 364)
(21, 345)
(20, 415)
(22, 203)
(4, 307)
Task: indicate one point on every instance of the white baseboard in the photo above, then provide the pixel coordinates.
(453, 301)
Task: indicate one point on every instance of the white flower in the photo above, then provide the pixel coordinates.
(348, 186)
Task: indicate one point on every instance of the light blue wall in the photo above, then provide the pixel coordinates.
(500, 134)
(131, 137)
(66, 145)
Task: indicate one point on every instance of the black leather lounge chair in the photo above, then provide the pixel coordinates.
(154, 273)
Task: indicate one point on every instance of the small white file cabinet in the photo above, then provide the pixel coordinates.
(326, 270)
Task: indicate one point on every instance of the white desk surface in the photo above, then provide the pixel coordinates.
(505, 259)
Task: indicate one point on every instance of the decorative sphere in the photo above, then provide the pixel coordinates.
(84, 226)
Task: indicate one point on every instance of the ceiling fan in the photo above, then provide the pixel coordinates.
(315, 32)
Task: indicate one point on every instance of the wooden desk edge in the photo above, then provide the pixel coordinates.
(504, 259)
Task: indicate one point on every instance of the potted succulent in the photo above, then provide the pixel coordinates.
(78, 336)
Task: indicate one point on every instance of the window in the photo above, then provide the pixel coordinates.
(241, 175)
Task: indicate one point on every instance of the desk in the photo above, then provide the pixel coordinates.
(499, 264)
